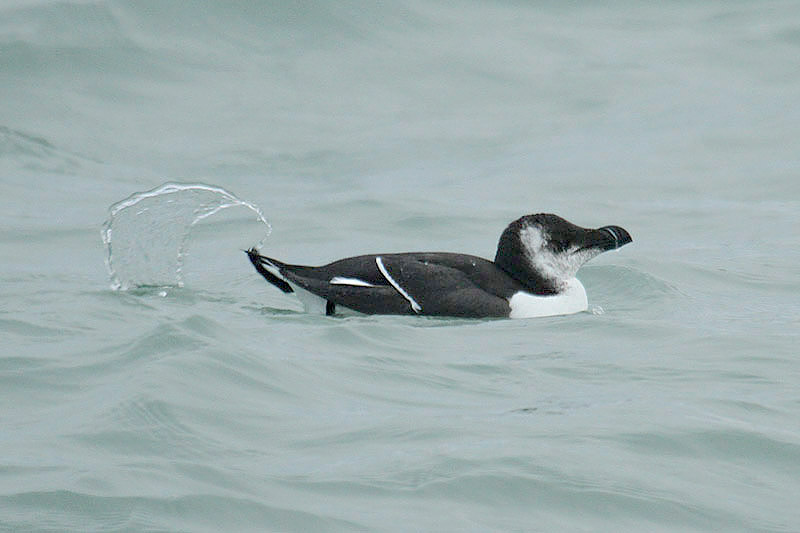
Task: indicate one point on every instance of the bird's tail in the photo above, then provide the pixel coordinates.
(263, 264)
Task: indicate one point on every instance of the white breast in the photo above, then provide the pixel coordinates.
(570, 300)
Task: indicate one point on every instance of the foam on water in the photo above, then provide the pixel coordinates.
(147, 234)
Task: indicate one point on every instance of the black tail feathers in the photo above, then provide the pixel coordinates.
(259, 260)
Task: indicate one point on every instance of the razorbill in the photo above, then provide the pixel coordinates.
(532, 275)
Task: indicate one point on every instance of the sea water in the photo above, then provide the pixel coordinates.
(205, 400)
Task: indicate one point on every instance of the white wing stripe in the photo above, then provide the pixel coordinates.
(355, 282)
(414, 305)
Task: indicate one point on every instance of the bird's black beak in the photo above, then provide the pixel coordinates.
(612, 237)
(604, 239)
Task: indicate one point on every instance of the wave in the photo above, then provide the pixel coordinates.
(25, 150)
(72, 510)
(141, 36)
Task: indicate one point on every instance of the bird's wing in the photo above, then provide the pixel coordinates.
(409, 283)
(434, 289)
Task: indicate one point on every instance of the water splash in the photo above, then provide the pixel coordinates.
(147, 234)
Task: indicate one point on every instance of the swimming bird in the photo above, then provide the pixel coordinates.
(532, 275)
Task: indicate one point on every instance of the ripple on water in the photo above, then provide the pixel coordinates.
(63, 509)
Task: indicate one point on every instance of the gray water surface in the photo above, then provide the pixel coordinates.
(358, 128)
